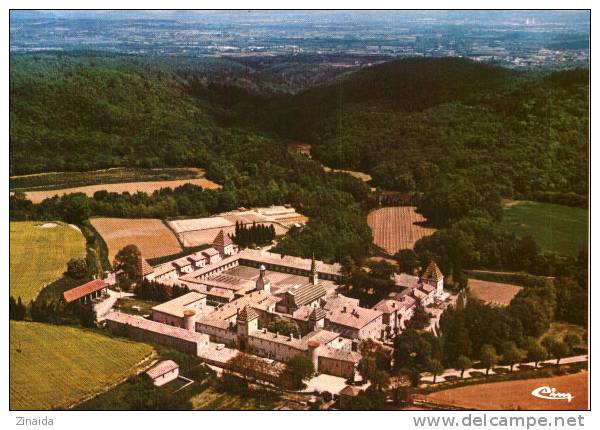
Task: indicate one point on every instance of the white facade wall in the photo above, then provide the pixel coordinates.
(274, 350)
(218, 335)
(167, 377)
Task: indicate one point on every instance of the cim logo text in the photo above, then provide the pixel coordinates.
(550, 393)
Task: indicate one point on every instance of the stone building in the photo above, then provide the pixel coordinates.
(86, 292)
(163, 372)
(224, 244)
(173, 311)
(187, 341)
(338, 362)
(355, 322)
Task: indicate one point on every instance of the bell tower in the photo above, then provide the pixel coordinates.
(314, 276)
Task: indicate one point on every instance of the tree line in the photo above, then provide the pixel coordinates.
(253, 235)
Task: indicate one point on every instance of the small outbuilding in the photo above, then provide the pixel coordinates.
(86, 292)
(164, 372)
(347, 394)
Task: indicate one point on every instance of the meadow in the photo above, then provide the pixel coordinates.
(56, 366)
(558, 228)
(39, 253)
(493, 293)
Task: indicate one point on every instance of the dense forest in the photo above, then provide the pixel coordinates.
(457, 135)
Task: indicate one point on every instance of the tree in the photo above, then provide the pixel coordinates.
(75, 208)
(420, 319)
(463, 363)
(381, 354)
(556, 348)
(21, 310)
(407, 261)
(488, 357)
(367, 366)
(77, 268)
(300, 367)
(129, 260)
(512, 355)
(412, 350)
(85, 312)
(572, 340)
(347, 269)
(17, 309)
(284, 326)
(435, 368)
(535, 351)
(12, 308)
(246, 365)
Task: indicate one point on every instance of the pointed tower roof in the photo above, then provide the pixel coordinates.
(432, 272)
(222, 239)
(247, 314)
(317, 314)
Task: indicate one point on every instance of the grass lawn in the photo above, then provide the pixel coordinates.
(55, 366)
(558, 228)
(126, 305)
(211, 399)
(38, 256)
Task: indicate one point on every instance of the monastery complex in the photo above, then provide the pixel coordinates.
(235, 295)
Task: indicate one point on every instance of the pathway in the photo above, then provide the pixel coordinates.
(104, 307)
(428, 377)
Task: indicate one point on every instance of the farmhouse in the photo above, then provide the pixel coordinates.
(86, 292)
(163, 372)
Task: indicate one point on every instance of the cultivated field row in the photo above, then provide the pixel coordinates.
(132, 187)
(395, 228)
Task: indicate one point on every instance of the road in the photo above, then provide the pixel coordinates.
(427, 377)
(103, 308)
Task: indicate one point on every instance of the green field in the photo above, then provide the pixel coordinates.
(211, 399)
(56, 366)
(558, 228)
(39, 255)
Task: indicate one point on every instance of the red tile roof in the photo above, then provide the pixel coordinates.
(83, 290)
(146, 268)
(247, 314)
(222, 239)
(162, 368)
(432, 272)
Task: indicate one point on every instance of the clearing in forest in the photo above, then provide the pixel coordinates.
(493, 293)
(396, 228)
